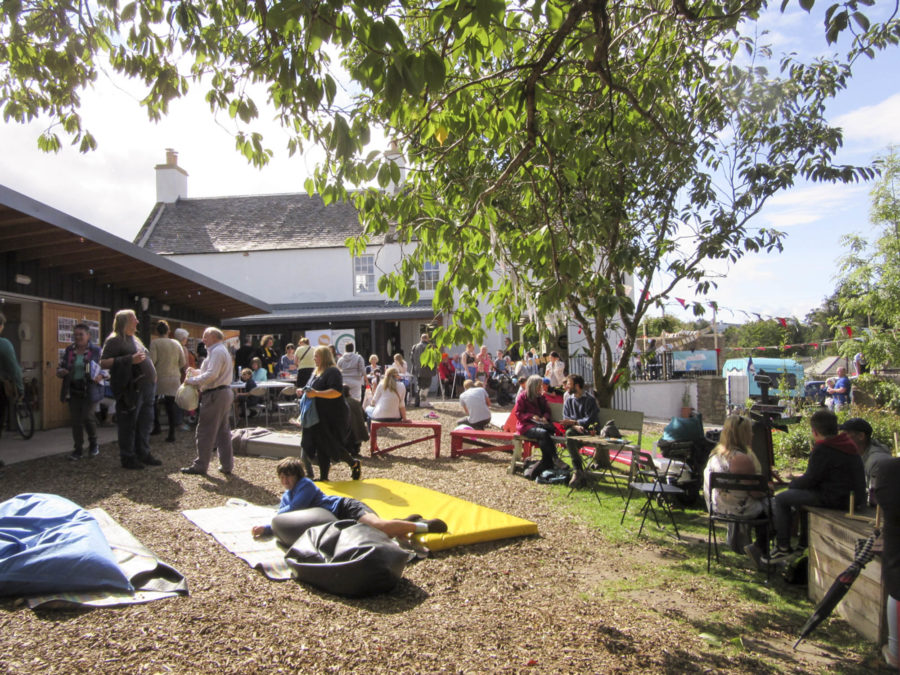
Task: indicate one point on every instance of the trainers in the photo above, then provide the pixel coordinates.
(74, 456)
(94, 450)
(778, 554)
(435, 525)
(756, 555)
(356, 470)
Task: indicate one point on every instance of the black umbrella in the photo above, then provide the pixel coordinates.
(840, 586)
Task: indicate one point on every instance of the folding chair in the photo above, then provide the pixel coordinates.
(645, 479)
(287, 402)
(755, 485)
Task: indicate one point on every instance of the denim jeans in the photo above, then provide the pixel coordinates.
(782, 505)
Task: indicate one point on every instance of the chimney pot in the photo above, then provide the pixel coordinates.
(171, 180)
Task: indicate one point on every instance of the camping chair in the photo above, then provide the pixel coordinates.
(737, 482)
(645, 479)
(287, 403)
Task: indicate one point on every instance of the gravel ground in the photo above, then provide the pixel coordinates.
(539, 603)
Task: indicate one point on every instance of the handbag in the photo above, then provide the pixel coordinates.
(309, 416)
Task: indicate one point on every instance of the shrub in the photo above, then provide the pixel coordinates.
(884, 393)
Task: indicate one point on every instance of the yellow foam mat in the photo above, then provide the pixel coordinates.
(467, 523)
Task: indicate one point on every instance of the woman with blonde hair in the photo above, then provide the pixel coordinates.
(327, 441)
(388, 401)
(734, 455)
(133, 382)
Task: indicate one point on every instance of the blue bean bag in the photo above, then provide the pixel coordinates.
(51, 545)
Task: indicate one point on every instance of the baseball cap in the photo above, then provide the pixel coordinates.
(857, 424)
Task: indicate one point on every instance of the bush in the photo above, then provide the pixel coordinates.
(884, 393)
(795, 443)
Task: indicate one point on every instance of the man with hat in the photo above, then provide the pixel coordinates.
(873, 452)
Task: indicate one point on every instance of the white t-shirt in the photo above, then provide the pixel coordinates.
(476, 402)
(387, 403)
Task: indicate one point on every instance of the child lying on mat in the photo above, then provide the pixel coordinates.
(302, 493)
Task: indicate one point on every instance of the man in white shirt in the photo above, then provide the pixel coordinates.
(353, 370)
(474, 401)
(213, 429)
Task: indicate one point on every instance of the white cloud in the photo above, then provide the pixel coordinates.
(872, 127)
(811, 204)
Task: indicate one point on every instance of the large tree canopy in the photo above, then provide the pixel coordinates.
(582, 148)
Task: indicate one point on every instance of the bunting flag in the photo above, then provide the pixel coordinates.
(849, 331)
(621, 342)
(646, 295)
(782, 321)
(617, 376)
(681, 300)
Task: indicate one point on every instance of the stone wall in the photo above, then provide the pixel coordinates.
(711, 399)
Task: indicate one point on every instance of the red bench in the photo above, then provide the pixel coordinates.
(487, 440)
(434, 433)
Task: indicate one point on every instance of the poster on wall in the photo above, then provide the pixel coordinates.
(95, 331)
(339, 338)
(64, 326)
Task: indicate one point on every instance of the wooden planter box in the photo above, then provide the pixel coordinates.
(832, 541)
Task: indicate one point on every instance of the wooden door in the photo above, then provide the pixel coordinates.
(58, 321)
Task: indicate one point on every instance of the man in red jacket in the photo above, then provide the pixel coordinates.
(835, 470)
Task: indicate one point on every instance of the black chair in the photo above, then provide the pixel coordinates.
(645, 479)
(755, 485)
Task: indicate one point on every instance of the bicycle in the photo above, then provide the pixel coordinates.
(22, 416)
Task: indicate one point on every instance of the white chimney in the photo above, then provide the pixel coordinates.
(171, 179)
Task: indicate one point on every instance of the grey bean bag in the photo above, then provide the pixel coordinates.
(288, 527)
(347, 558)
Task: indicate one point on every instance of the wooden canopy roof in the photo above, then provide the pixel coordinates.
(36, 233)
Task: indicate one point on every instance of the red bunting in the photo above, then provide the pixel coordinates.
(782, 321)
(849, 331)
(616, 377)
(646, 295)
(621, 342)
(815, 344)
(681, 300)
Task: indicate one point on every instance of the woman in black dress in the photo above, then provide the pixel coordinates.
(269, 356)
(327, 441)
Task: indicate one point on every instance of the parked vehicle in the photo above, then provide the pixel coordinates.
(735, 372)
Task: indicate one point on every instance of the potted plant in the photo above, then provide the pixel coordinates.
(686, 408)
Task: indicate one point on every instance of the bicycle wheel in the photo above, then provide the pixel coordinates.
(24, 419)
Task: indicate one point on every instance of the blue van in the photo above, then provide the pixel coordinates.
(776, 369)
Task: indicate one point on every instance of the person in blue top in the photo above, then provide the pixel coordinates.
(302, 493)
(840, 392)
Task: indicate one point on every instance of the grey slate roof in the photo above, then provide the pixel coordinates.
(338, 311)
(248, 223)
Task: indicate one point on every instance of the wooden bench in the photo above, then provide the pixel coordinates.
(472, 441)
(434, 433)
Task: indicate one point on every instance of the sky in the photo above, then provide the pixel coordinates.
(113, 188)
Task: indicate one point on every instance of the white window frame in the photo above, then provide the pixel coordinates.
(364, 268)
(429, 277)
